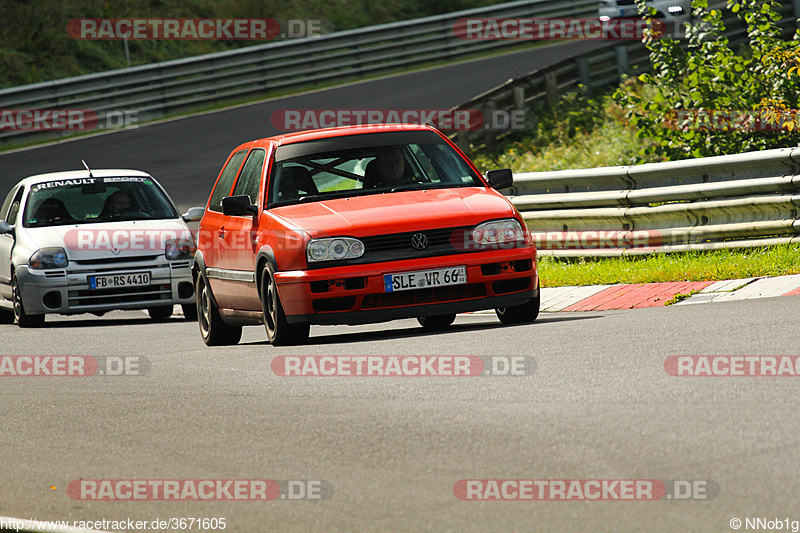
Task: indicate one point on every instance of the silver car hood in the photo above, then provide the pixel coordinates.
(107, 239)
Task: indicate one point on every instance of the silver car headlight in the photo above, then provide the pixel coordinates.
(502, 231)
(179, 249)
(48, 258)
(334, 249)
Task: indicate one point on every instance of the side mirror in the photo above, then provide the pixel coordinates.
(6, 228)
(238, 206)
(193, 214)
(500, 179)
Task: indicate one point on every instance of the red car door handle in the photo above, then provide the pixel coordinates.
(221, 233)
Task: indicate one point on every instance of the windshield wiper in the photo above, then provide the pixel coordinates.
(349, 193)
(309, 198)
(430, 185)
(410, 187)
(52, 222)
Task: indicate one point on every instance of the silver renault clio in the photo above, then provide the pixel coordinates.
(90, 242)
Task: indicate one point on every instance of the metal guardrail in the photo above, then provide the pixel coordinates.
(586, 72)
(733, 201)
(159, 89)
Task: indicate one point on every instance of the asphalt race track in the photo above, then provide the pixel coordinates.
(599, 405)
(391, 452)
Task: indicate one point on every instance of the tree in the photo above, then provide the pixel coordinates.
(704, 98)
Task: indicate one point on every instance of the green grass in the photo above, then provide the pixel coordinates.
(687, 266)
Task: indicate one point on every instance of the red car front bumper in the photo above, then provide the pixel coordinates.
(355, 294)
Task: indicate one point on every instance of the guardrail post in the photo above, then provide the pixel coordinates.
(519, 98)
(551, 88)
(519, 105)
(797, 12)
(622, 59)
(491, 135)
(584, 77)
(462, 141)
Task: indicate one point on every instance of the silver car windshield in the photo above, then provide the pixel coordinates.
(91, 200)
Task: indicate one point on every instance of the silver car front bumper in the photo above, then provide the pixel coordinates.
(67, 291)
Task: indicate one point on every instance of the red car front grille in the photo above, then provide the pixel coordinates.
(424, 296)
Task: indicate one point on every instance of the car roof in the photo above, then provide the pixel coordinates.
(80, 174)
(341, 131)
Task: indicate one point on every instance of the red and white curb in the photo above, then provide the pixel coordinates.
(639, 295)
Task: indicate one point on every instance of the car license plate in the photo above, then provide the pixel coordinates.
(119, 280)
(421, 279)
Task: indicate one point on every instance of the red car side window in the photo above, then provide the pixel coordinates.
(225, 182)
(250, 177)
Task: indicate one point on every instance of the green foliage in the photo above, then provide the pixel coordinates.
(35, 46)
(709, 75)
(578, 132)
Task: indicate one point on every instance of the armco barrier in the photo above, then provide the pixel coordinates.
(743, 200)
(158, 89)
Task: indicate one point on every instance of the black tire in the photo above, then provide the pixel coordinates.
(520, 314)
(189, 311)
(160, 314)
(279, 331)
(213, 330)
(436, 322)
(24, 320)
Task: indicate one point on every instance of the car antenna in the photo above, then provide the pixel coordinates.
(87, 168)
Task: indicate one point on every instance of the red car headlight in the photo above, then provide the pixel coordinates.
(334, 249)
(502, 231)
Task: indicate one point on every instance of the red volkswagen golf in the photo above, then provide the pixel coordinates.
(355, 225)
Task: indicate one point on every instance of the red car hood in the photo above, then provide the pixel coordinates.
(376, 214)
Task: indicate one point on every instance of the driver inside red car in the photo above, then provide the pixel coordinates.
(388, 169)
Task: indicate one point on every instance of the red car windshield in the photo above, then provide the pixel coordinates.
(366, 164)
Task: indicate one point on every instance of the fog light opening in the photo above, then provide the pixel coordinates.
(52, 300)
(185, 290)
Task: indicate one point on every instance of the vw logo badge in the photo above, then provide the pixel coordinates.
(419, 241)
